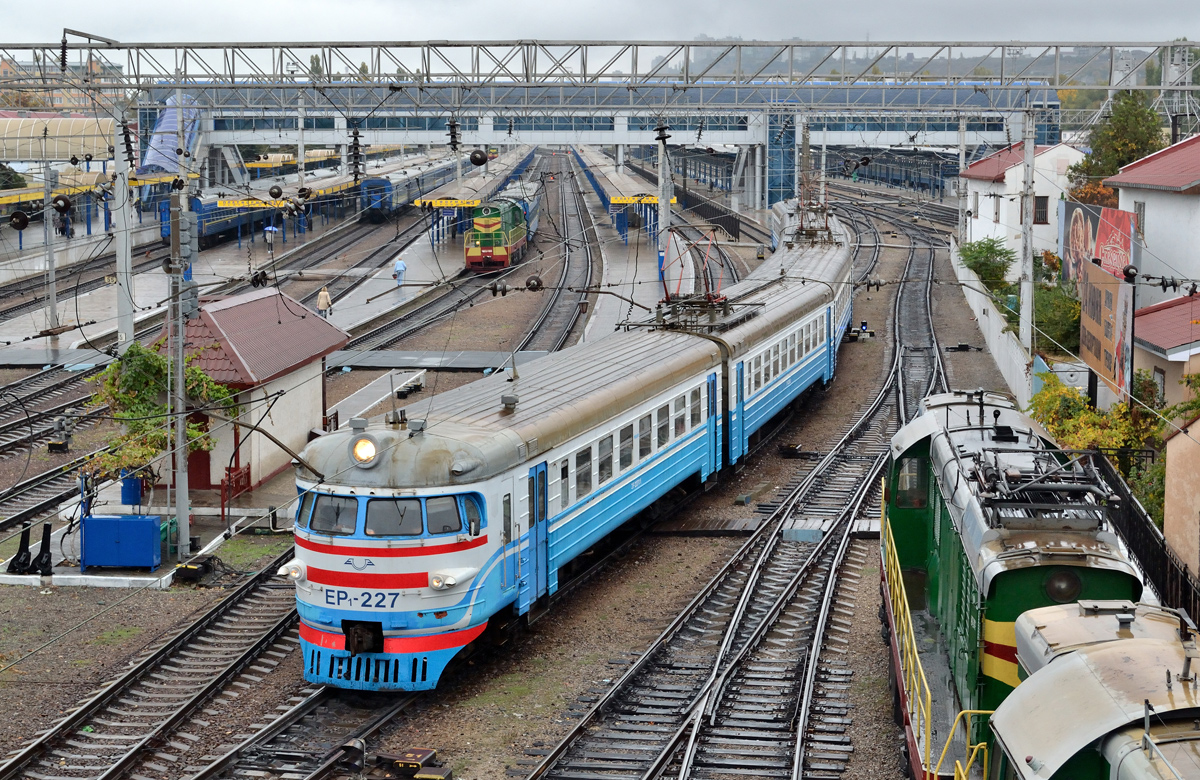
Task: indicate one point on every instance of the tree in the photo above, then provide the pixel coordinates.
(990, 260)
(135, 389)
(1130, 132)
(10, 179)
(363, 70)
(315, 68)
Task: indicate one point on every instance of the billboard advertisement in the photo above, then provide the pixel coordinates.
(1095, 245)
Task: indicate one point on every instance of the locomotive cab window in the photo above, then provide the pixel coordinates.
(305, 510)
(911, 489)
(394, 517)
(442, 515)
(473, 515)
(507, 518)
(334, 515)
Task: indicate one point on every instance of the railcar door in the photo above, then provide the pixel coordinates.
(735, 416)
(714, 433)
(538, 541)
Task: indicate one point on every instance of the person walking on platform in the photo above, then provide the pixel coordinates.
(324, 303)
(398, 274)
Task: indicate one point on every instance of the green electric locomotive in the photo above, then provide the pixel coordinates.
(986, 518)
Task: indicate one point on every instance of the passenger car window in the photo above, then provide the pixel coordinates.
(334, 515)
(680, 416)
(664, 425)
(394, 517)
(605, 466)
(442, 514)
(583, 473)
(564, 485)
(645, 428)
(695, 406)
(627, 446)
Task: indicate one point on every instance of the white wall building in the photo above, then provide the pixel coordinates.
(1163, 190)
(994, 185)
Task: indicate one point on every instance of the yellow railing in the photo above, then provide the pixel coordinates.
(977, 751)
(911, 675)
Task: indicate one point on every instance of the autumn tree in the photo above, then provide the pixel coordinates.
(1131, 131)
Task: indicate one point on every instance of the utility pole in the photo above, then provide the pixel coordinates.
(824, 193)
(1027, 239)
(664, 200)
(180, 257)
(805, 165)
(961, 184)
(300, 145)
(122, 223)
(48, 238)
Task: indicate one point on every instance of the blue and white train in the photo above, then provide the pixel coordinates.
(411, 536)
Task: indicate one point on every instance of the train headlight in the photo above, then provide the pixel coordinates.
(363, 449)
(448, 578)
(1063, 586)
(293, 570)
(440, 581)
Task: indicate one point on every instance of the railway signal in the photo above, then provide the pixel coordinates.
(356, 158)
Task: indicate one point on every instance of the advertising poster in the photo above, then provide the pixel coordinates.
(1095, 245)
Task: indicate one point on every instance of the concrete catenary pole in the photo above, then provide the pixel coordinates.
(300, 141)
(961, 184)
(122, 224)
(1027, 238)
(48, 237)
(664, 198)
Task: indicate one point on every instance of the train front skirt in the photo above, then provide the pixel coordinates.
(411, 663)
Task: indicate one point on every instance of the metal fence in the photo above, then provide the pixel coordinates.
(1176, 586)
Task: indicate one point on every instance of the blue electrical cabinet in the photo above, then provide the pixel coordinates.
(128, 541)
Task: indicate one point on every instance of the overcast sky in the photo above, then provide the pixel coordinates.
(375, 20)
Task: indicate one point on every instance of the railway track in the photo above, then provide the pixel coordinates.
(136, 718)
(348, 279)
(738, 683)
(561, 313)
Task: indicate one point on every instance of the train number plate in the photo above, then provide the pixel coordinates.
(367, 599)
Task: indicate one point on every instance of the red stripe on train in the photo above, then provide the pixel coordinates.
(345, 579)
(1003, 652)
(397, 644)
(391, 552)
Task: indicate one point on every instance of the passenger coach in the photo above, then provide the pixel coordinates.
(477, 503)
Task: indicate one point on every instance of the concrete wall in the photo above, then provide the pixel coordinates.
(291, 418)
(1004, 346)
(1181, 507)
(1171, 229)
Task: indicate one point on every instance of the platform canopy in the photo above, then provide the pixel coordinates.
(59, 139)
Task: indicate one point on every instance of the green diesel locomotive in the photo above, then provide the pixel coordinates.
(986, 518)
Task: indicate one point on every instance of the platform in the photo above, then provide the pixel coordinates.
(466, 360)
(33, 355)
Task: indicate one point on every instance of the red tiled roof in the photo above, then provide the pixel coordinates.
(1175, 169)
(992, 167)
(1169, 325)
(246, 340)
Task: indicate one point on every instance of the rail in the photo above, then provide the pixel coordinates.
(919, 699)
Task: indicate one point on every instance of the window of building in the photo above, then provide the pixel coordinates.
(695, 406)
(583, 472)
(680, 416)
(442, 515)
(1160, 381)
(1139, 218)
(645, 431)
(664, 425)
(975, 203)
(605, 465)
(626, 447)
(334, 515)
(394, 517)
(1041, 209)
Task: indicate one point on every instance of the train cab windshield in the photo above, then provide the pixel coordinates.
(433, 516)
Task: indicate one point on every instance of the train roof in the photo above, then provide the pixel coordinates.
(1016, 498)
(1089, 694)
(1046, 633)
(469, 435)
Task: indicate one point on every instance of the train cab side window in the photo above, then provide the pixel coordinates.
(664, 425)
(604, 465)
(442, 515)
(911, 489)
(564, 484)
(680, 416)
(394, 517)
(473, 515)
(507, 518)
(645, 430)
(583, 472)
(305, 509)
(694, 400)
(626, 447)
(334, 515)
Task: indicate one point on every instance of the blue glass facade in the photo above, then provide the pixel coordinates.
(781, 158)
